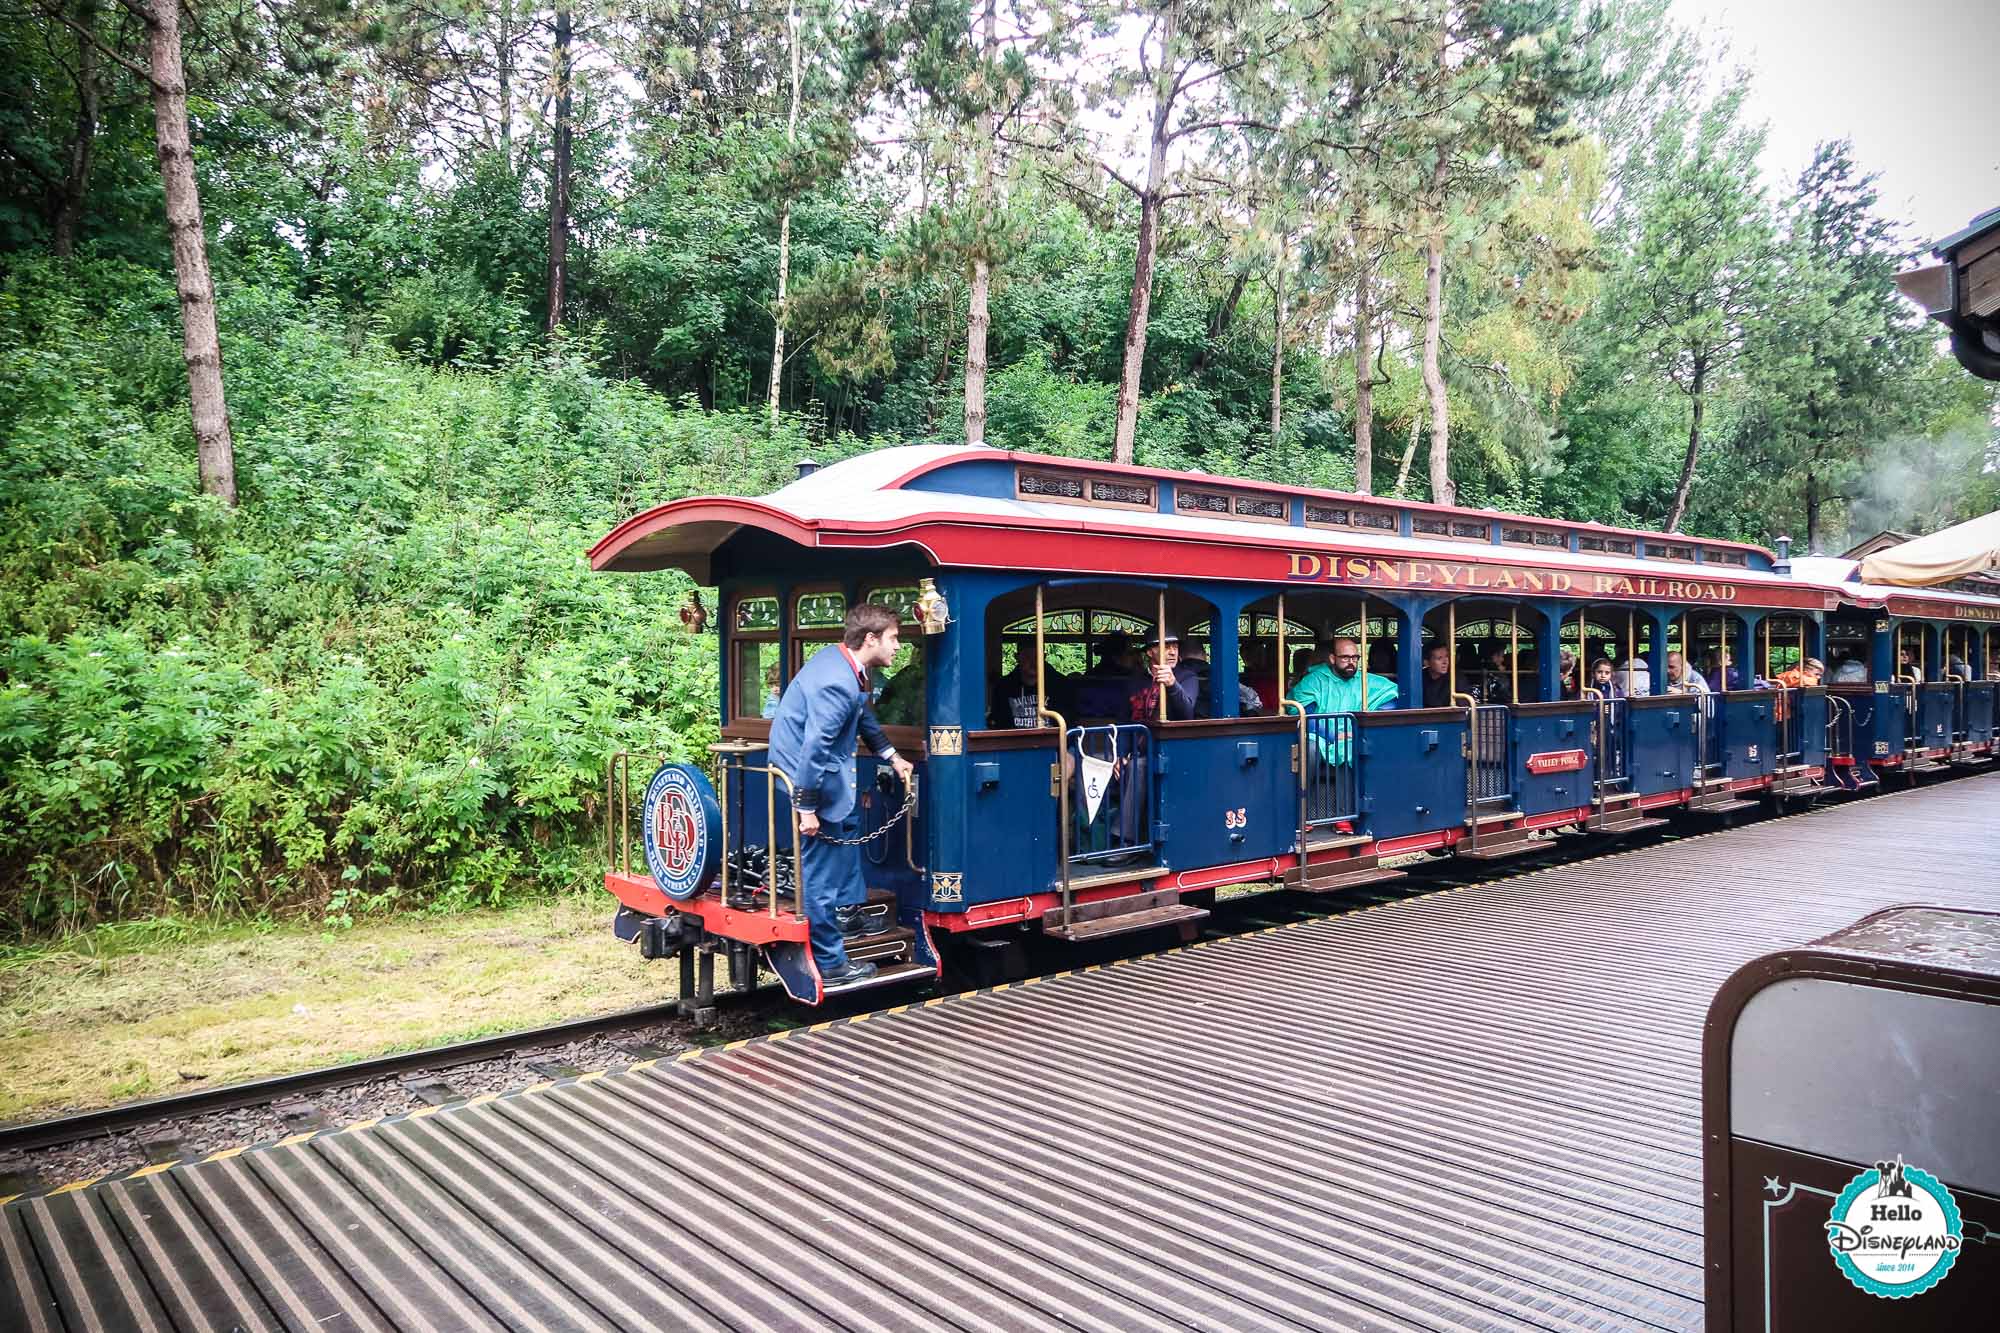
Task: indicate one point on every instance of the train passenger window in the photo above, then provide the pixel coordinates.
(899, 687)
(1608, 545)
(1717, 556)
(758, 679)
(1669, 551)
(756, 662)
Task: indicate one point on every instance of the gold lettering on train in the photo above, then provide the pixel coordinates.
(1386, 571)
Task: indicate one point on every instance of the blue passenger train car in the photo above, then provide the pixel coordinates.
(1371, 678)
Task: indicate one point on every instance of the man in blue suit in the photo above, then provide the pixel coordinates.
(823, 710)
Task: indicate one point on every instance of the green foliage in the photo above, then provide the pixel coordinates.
(389, 679)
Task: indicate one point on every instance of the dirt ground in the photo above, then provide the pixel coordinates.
(81, 1027)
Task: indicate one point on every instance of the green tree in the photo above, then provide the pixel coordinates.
(1688, 295)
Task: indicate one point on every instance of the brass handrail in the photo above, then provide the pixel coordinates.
(1301, 759)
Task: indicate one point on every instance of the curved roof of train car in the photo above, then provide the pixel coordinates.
(865, 503)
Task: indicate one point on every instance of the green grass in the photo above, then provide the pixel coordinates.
(146, 1009)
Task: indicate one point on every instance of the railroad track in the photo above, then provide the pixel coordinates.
(419, 1071)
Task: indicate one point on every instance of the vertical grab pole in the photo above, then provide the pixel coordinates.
(1364, 652)
(1057, 778)
(771, 842)
(1301, 760)
(1450, 647)
(1160, 637)
(1514, 654)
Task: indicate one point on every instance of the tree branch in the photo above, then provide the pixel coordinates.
(144, 75)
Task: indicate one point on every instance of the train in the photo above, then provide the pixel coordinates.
(1050, 796)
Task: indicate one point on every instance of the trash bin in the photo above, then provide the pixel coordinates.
(1851, 1130)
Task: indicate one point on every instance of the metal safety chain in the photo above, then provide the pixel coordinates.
(909, 803)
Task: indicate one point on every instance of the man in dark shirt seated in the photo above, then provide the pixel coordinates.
(1012, 701)
(1164, 670)
(1437, 676)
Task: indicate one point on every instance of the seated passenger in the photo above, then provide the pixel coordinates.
(773, 691)
(1260, 675)
(1807, 673)
(1437, 676)
(1012, 702)
(1101, 694)
(1336, 684)
(1142, 692)
(1682, 678)
(1726, 677)
(1600, 679)
(1498, 688)
(1571, 685)
(1194, 655)
(1634, 680)
(1850, 671)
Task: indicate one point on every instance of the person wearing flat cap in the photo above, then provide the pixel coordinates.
(1164, 670)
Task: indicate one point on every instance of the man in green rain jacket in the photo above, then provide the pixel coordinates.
(1335, 686)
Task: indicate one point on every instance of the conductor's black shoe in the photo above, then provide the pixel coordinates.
(847, 920)
(876, 923)
(848, 973)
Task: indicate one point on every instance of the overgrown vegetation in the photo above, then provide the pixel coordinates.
(387, 679)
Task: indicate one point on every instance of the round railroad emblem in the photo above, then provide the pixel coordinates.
(683, 830)
(1895, 1230)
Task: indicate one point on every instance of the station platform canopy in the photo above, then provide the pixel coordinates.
(1964, 549)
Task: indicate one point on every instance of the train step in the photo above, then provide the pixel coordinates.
(1120, 916)
(1097, 879)
(886, 974)
(1493, 844)
(1719, 804)
(1334, 876)
(1627, 820)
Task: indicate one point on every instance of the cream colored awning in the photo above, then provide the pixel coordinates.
(1972, 547)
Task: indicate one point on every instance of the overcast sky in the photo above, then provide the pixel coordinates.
(1911, 82)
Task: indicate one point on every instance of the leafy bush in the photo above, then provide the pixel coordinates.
(389, 679)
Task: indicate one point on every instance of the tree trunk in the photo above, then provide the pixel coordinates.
(1141, 307)
(1679, 511)
(1812, 514)
(978, 316)
(1218, 324)
(1364, 381)
(785, 231)
(559, 177)
(1442, 491)
(201, 346)
(1278, 351)
(1409, 452)
(83, 137)
(503, 64)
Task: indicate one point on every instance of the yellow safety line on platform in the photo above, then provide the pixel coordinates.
(296, 1138)
(227, 1153)
(484, 1098)
(592, 1076)
(632, 1068)
(76, 1185)
(145, 1171)
(369, 1123)
(539, 1087)
(685, 1056)
(423, 1111)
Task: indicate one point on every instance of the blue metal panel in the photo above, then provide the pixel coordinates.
(1661, 733)
(1011, 825)
(1226, 793)
(1979, 699)
(989, 477)
(1880, 721)
(1412, 772)
(1749, 733)
(1937, 702)
(1544, 729)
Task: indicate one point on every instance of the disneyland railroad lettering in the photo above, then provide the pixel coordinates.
(1378, 571)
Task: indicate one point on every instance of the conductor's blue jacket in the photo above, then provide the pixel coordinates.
(813, 733)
